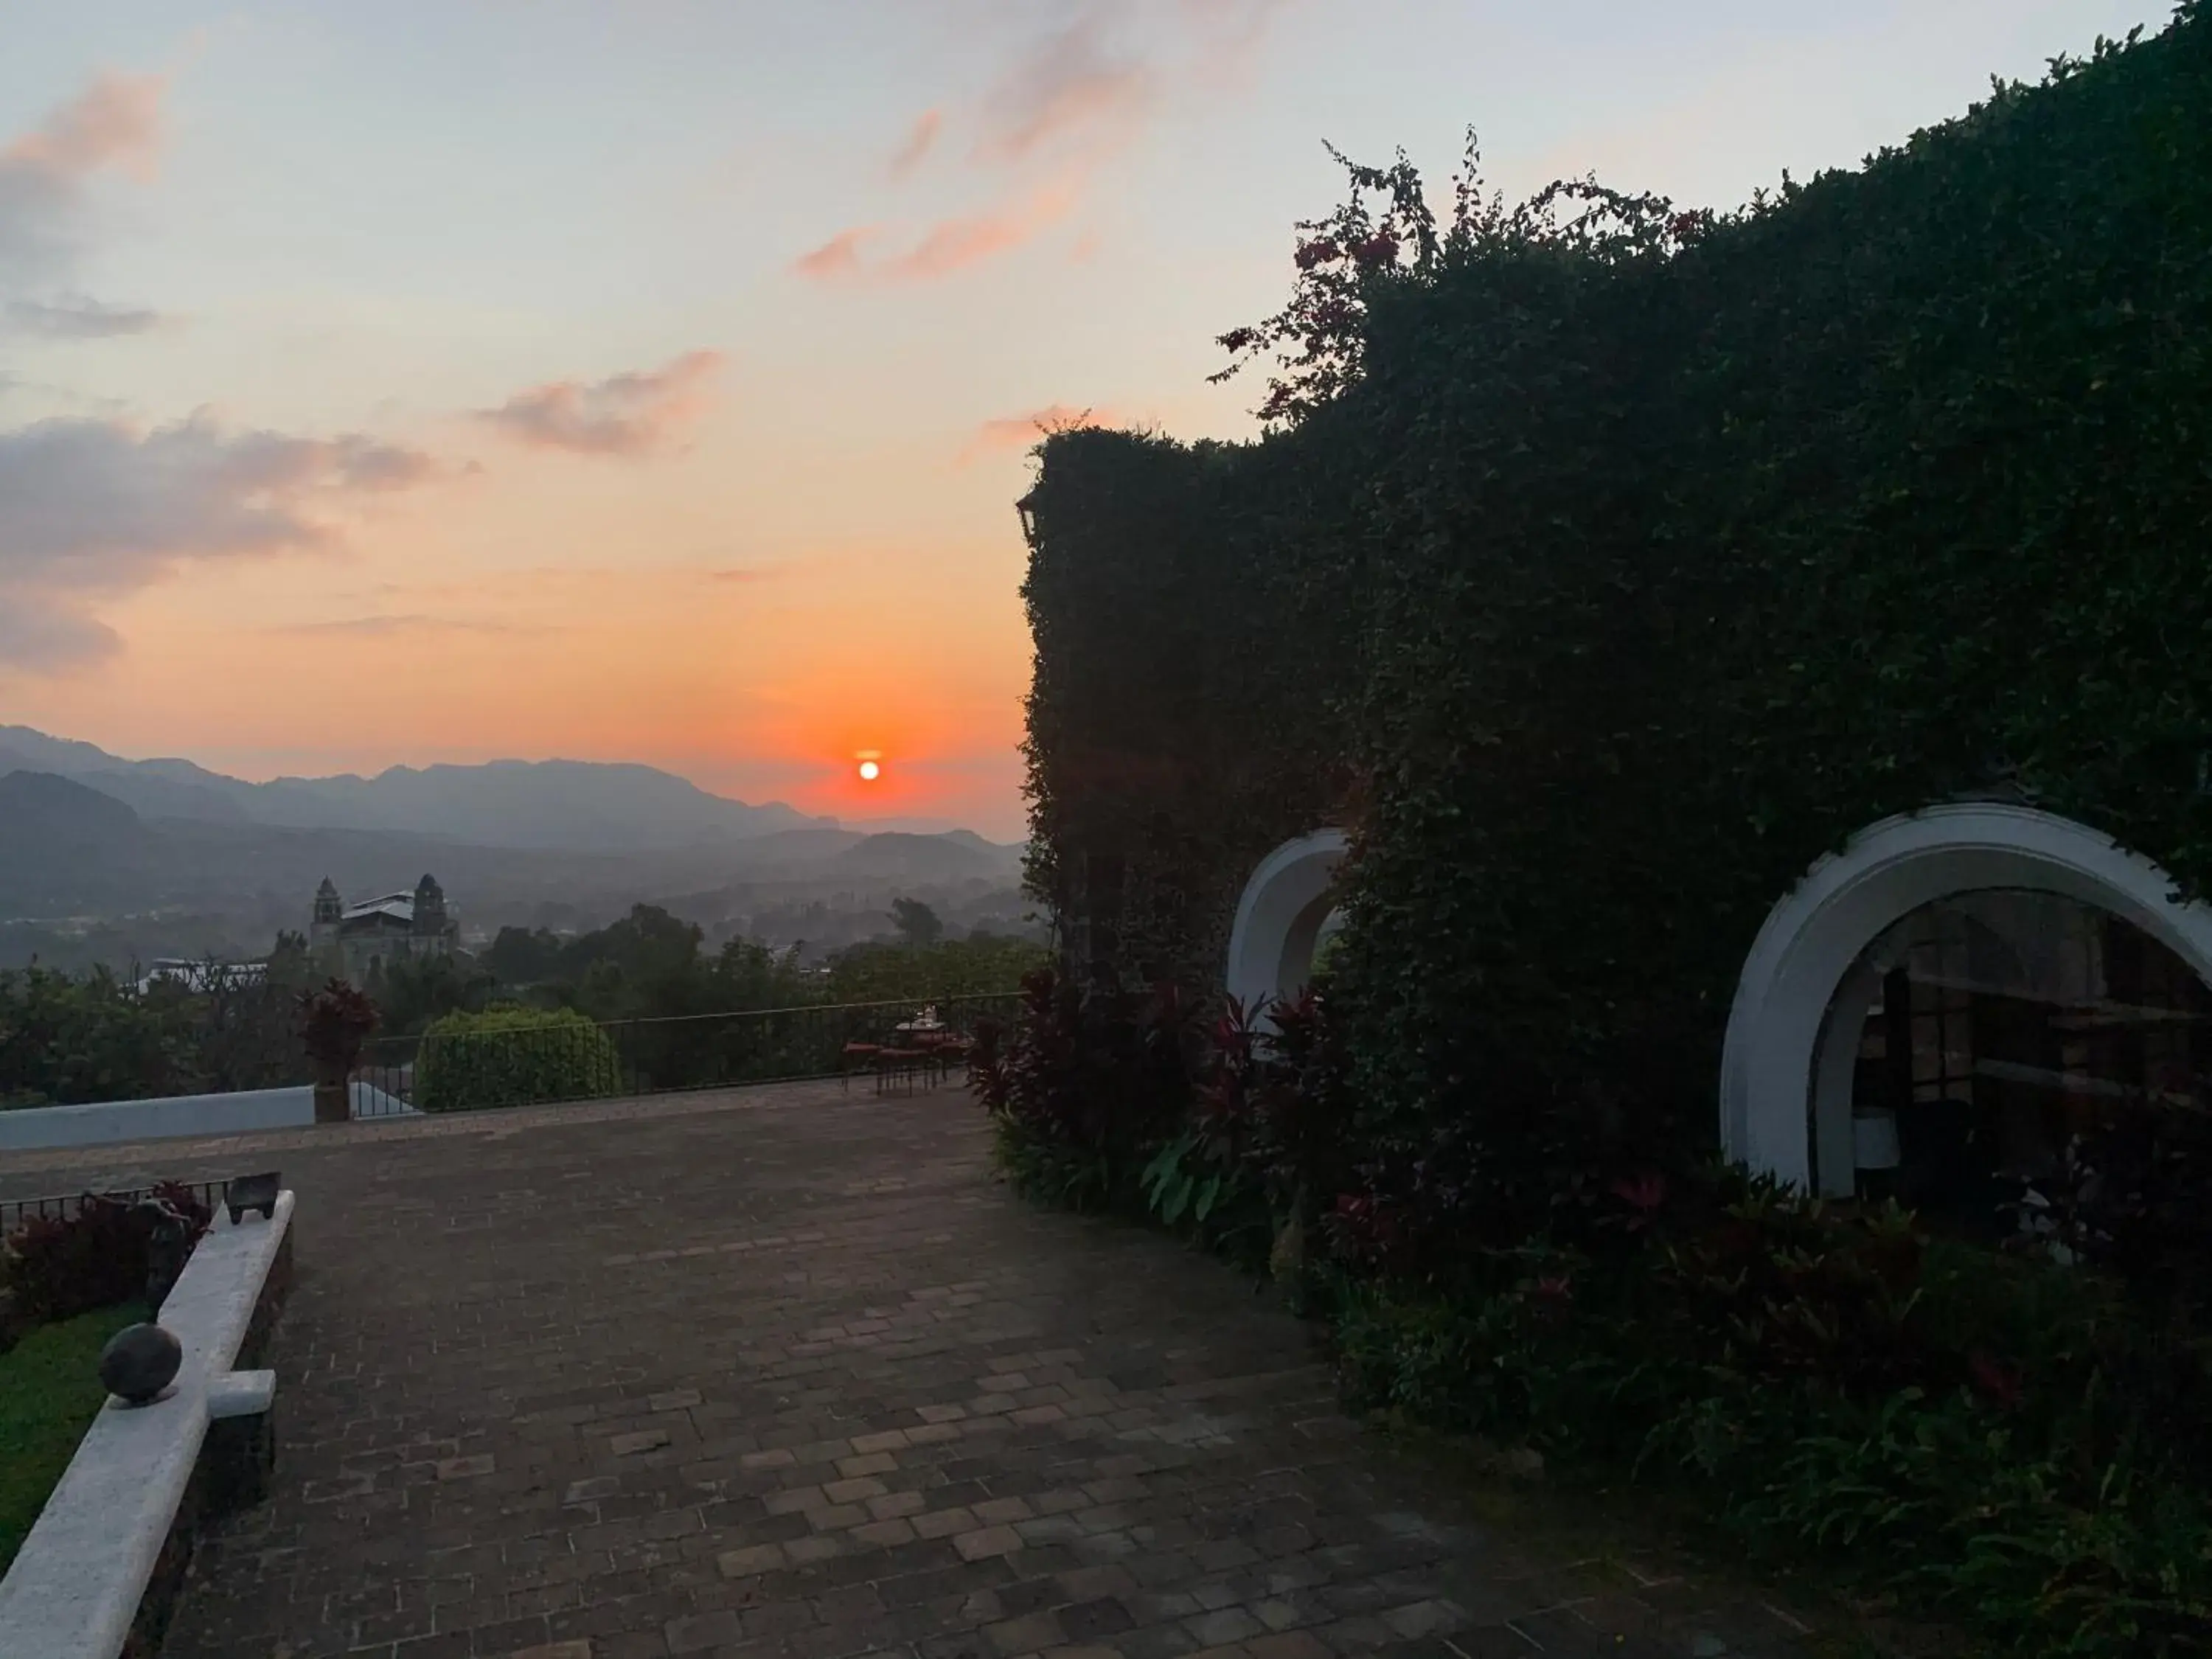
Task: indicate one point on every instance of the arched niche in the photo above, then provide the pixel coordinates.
(1802, 1001)
(1280, 917)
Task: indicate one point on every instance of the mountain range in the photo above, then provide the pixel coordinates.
(140, 846)
(580, 806)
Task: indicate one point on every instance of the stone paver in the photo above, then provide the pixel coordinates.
(782, 1372)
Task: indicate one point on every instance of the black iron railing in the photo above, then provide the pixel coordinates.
(14, 1212)
(476, 1070)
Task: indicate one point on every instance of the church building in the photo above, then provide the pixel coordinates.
(357, 940)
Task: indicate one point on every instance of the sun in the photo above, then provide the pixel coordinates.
(870, 771)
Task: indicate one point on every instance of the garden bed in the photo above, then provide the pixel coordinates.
(1988, 1438)
(49, 1391)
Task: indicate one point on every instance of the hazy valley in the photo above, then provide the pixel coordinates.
(107, 860)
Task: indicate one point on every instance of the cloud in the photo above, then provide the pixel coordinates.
(1068, 82)
(630, 414)
(920, 139)
(953, 244)
(1022, 431)
(948, 245)
(114, 124)
(739, 573)
(385, 627)
(1231, 33)
(91, 509)
(1071, 99)
(838, 257)
(80, 320)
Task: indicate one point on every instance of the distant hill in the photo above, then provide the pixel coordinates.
(950, 857)
(574, 805)
(66, 847)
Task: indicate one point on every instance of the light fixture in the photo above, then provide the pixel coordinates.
(1025, 509)
(1874, 1140)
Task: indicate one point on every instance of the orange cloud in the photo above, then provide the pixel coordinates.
(1068, 83)
(838, 257)
(950, 244)
(114, 122)
(920, 139)
(628, 414)
(1020, 431)
(387, 626)
(953, 244)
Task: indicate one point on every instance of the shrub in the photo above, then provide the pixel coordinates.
(1997, 1437)
(1080, 1086)
(60, 1267)
(511, 1056)
(1262, 1148)
(334, 1022)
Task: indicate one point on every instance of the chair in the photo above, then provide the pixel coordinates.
(852, 1057)
(898, 1063)
(947, 1051)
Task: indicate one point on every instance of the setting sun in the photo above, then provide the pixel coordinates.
(870, 771)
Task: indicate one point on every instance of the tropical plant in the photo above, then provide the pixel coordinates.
(335, 1022)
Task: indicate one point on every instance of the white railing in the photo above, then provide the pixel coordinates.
(114, 1122)
(76, 1585)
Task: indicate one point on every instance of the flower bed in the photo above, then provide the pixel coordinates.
(2014, 1445)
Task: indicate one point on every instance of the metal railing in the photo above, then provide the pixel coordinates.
(14, 1212)
(476, 1070)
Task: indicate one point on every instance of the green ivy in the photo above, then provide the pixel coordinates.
(1637, 566)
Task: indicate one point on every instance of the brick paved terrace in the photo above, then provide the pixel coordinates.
(781, 1372)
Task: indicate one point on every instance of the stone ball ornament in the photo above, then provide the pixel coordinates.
(139, 1363)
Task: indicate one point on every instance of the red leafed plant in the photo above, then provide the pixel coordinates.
(1643, 1194)
(334, 1022)
(59, 1266)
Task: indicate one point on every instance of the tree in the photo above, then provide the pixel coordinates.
(917, 923)
(413, 994)
(520, 956)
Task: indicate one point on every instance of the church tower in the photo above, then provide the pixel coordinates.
(429, 916)
(323, 947)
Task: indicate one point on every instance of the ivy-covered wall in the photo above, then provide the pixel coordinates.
(1623, 582)
(1193, 659)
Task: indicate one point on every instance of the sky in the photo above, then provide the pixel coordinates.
(435, 380)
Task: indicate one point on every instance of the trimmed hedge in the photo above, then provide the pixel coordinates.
(1633, 573)
(512, 1056)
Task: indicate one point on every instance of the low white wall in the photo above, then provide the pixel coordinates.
(110, 1123)
(77, 1582)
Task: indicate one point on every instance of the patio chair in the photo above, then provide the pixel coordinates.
(899, 1063)
(946, 1052)
(856, 1057)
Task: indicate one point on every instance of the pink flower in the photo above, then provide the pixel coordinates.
(1643, 1194)
(1994, 1379)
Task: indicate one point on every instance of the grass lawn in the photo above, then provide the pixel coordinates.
(49, 1391)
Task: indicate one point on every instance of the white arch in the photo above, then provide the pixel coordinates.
(1793, 1032)
(1271, 944)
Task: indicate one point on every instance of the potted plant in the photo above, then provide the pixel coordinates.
(334, 1023)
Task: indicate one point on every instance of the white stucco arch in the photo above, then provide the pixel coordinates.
(1279, 919)
(1793, 1031)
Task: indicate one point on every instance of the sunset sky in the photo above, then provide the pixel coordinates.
(445, 379)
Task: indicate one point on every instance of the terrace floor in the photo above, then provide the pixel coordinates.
(782, 1370)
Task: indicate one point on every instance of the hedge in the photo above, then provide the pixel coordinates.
(1633, 573)
(512, 1056)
